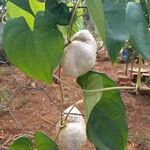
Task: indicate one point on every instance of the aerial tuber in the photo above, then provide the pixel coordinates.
(80, 55)
(73, 135)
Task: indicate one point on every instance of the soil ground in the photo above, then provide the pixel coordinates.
(34, 109)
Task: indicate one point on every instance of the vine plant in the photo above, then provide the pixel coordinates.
(34, 40)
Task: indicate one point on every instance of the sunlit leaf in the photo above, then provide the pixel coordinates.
(21, 143)
(116, 26)
(60, 10)
(95, 8)
(109, 17)
(106, 125)
(23, 4)
(15, 12)
(36, 6)
(138, 28)
(37, 53)
(43, 142)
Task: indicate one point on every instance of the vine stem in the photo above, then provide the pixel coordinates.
(106, 89)
(71, 20)
(138, 82)
(15, 136)
(65, 119)
(76, 104)
(117, 88)
(60, 85)
(62, 97)
(132, 65)
(62, 104)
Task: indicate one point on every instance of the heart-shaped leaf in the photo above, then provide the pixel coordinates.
(110, 23)
(60, 11)
(90, 81)
(23, 4)
(95, 8)
(106, 125)
(43, 142)
(115, 26)
(37, 53)
(15, 11)
(137, 27)
(21, 143)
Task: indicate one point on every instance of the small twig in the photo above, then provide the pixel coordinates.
(15, 136)
(44, 119)
(106, 89)
(117, 88)
(53, 126)
(71, 20)
(132, 65)
(138, 82)
(50, 99)
(16, 120)
(19, 91)
(62, 96)
(77, 103)
(68, 85)
(63, 125)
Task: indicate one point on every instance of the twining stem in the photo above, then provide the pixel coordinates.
(138, 82)
(61, 90)
(77, 103)
(62, 97)
(65, 119)
(15, 136)
(132, 65)
(106, 89)
(117, 88)
(110, 89)
(71, 20)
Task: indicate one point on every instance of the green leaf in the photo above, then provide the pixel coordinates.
(60, 10)
(95, 8)
(90, 81)
(36, 6)
(77, 25)
(137, 27)
(106, 125)
(23, 4)
(145, 9)
(109, 17)
(115, 26)
(148, 6)
(14, 12)
(43, 142)
(37, 53)
(21, 143)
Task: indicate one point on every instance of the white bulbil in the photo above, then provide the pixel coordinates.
(80, 54)
(73, 136)
(85, 36)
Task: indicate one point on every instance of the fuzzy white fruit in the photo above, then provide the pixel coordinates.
(85, 36)
(73, 135)
(80, 54)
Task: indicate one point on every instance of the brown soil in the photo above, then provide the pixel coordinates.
(34, 109)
